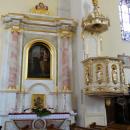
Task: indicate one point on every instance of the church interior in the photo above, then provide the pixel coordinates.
(65, 65)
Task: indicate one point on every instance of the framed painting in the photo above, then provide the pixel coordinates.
(38, 100)
(38, 61)
(126, 60)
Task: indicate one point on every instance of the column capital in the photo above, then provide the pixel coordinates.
(65, 33)
(16, 29)
(67, 30)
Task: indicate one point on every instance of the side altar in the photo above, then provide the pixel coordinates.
(38, 63)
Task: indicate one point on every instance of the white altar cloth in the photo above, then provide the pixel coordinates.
(27, 116)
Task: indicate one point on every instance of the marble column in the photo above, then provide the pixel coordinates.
(13, 59)
(64, 74)
(65, 64)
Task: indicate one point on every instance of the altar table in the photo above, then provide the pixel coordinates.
(26, 120)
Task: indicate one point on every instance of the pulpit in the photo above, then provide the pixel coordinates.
(31, 121)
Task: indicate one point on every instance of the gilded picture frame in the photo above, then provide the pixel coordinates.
(53, 60)
(126, 60)
(38, 100)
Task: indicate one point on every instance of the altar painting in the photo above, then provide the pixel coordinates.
(39, 61)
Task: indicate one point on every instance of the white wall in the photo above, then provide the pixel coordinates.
(112, 42)
(87, 107)
(20, 6)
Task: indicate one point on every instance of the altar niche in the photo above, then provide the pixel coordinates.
(39, 61)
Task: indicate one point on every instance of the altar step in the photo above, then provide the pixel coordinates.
(113, 126)
(75, 127)
(98, 127)
(119, 127)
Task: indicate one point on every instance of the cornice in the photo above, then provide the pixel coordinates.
(42, 23)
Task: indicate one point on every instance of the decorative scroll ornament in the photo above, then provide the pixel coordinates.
(40, 8)
(96, 22)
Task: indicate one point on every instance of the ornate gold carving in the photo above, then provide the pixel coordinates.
(87, 75)
(40, 8)
(95, 22)
(67, 30)
(105, 76)
(16, 29)
(64, 33)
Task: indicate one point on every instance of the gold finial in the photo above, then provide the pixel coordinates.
(95, 2)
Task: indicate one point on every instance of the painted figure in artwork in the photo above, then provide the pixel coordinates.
(38, 102)
(39, 61)
(44, 61)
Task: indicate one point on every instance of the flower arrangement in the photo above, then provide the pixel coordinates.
(41, 111)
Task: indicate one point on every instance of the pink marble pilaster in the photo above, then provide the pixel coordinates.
(64, 65)
(13, 61)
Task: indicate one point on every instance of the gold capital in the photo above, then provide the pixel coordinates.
(15, 29)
